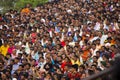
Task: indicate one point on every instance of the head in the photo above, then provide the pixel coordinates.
(24, 61)
(98, 54)
(17, 60)
(20, 55)
(81, 68)
(95, 58)
(93, 46)
(21, 67)
(100, 34)
(27, 66)
(1, 65)
(5, 43)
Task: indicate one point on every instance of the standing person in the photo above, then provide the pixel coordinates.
(4, 48)
(11, 48)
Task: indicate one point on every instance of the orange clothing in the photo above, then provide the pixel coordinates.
(85, 54)
(83, 38)
(112, 42)
(25, 10)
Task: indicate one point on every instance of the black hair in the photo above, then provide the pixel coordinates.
(75, 66)
(2, 62)
(22, 66)
(82, 66)
(28, 64)
(9, 67)
(25, 74)
(91, 72)
(95, 57)
(98, 52)
(109, 38)
(20, 54)
(106, 56)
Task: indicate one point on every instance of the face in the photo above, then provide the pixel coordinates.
(24, 61)
(3, 76)
(93, 68)
(5, 43)
(94, 59)
(22, 77)
(12, 62)
(109, 34)
(27, 67)
(76, 48)
(112, 48)
(49, 42)
(63, 56)
(33, 62)
(8, 56)
(35, 48)
(104, 58)
(98, 41)
(47, 60)
(94, 46)
(75, 58)
(41, 60)
(20, 68)
(99, 34)
(14, 51)
(16, 60)
(1, 65)
(66, 68)
(10, 44)
(81, 69)
(66, 59)
(59, 59)
(108, 64)
(48, 76)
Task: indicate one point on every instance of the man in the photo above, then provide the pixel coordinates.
(1, 66)
(4, 48)
(16, 65)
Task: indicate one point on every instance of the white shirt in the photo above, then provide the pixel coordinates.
(97, 26)
(81, 43)
(94, 52)
(18, 51)
(72, 44)
(27, 49)
(99, 61)
(103, 38)
(95, 38)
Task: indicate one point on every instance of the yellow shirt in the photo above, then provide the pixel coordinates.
(4, 50)
(75, 62)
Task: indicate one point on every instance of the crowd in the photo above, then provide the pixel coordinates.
(61, 40)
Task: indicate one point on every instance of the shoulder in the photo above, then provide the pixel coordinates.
(2, 46)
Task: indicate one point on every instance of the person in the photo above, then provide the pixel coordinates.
(4, 48)
(11, 48)
(60, 40)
